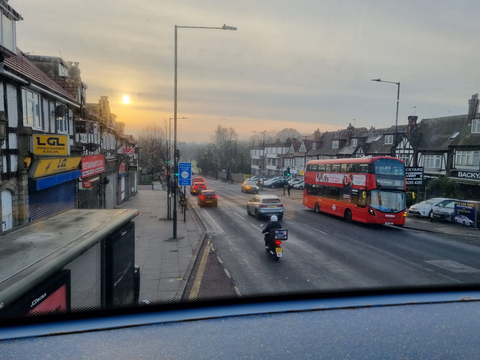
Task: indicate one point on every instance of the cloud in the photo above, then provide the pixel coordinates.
(303, 64)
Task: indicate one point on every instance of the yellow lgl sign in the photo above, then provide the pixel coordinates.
(55, 166)
(50, 144)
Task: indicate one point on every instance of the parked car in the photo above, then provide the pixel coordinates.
(299, 186)
(265, 205)
(277, 183)
(207, 198)
(462, 219)
(425, 208)
(197, 187)
(447, 212)
(294, 181)
(250, 187)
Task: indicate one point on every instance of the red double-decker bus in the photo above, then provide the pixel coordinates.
(368, 190)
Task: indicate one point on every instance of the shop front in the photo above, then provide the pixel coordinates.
(111, 184)
(90, 189)
(122, 181)
(52, 186)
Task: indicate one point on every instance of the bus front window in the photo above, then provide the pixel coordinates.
(389, 167)
(387, 201)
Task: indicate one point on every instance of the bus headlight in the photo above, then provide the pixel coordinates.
(371, 212)
(405, 214)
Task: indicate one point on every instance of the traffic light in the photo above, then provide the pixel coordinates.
(288, 171)
(168, 161)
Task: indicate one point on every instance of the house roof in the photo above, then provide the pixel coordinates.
(466, 138)
(21, 65)
(436, 132)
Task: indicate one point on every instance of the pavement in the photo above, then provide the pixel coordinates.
(165, 263)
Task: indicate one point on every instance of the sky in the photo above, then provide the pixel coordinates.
(299, 64)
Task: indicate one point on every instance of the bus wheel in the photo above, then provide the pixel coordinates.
(317, 208)
(348, 215)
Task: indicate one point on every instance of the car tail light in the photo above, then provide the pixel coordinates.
(280, 205)
(215, 197)
(278, 243)
(261, 205)
(202, 197)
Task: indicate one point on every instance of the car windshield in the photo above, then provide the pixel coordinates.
(116, 115)
(387, 201)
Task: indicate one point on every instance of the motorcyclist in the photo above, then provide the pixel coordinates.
(268, 231)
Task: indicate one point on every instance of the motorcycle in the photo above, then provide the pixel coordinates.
(275, 243)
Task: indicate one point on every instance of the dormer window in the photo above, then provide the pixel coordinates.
(388, 139)
(62, 70)
(335, 144)
(353, 142)
(8, 33)
(314, 146)
(476, 126)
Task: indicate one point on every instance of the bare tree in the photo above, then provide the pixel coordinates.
(154, 149)
(225, 140)
(288, 133)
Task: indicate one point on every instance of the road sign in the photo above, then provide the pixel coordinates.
(184, 174)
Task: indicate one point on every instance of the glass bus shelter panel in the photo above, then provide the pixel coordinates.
(85, 274)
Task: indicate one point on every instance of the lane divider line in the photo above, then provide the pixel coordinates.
(223, 232)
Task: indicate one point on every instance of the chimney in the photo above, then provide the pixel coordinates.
(412, 123)
(316, 135)
(473, 107)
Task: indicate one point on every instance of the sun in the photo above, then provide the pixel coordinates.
(126, 99)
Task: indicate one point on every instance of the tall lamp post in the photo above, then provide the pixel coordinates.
(264, 165)
(398, 100)
(175, 162)
(169, 154)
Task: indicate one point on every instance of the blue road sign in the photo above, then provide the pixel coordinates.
(184, 174)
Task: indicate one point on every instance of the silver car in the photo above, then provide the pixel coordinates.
(265, 205)
(425, 208)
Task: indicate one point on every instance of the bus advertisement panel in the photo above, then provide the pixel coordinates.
(368, 190)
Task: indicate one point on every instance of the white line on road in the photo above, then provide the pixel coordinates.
(223, 232)
(240, 216)
(311, 227)
(256, 227)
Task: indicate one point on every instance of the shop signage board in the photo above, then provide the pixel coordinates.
(53, 166)
(93, 165)
(465, 213)
(87, 185)
(414, 175)
(50, 145)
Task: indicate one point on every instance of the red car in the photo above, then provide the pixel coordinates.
(207, 198)
(197, 187)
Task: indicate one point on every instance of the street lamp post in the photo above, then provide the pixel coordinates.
(398, 101)
(264, 165)
(175, 162)
(169, 153)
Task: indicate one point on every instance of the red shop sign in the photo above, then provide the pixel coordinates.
(93, 165)
(87, 185)
(122, 168)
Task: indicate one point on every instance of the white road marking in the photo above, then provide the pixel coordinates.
(256, 227)
(240, 216)
(223, 232)
(311, 227)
